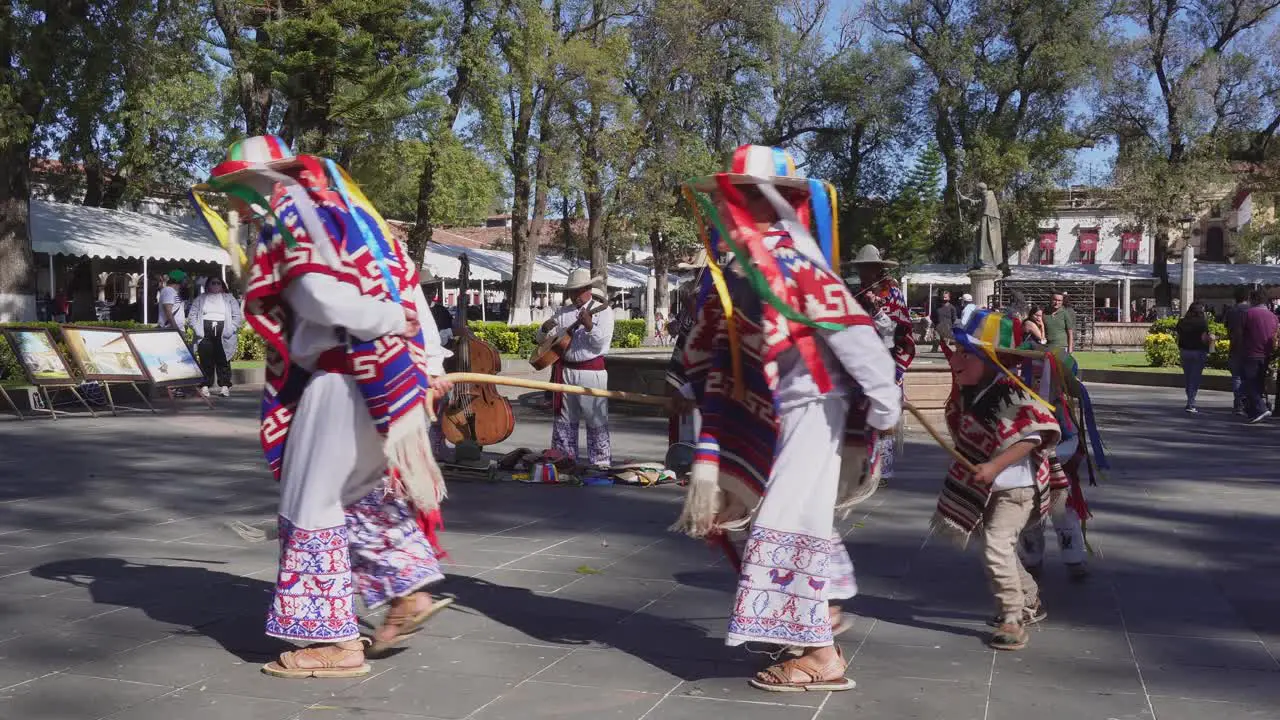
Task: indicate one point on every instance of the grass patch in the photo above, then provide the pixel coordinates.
(1131, 361)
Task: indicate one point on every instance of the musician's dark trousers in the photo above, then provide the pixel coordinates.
(213, 359)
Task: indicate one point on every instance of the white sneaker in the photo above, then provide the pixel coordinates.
(225, 391)
(204, 392)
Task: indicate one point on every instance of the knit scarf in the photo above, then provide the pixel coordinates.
(315, 231)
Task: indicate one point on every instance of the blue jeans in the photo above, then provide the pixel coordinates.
(1193, 362)
(1253, 376)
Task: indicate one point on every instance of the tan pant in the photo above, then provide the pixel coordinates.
(1008, 513)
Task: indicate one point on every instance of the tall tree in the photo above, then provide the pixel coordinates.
(1179, 99)
(36, 37)
(908, 226)
(137, 120)
(469, 54)
(1002, 73)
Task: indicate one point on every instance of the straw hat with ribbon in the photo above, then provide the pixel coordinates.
(250, 170)
(987, 334)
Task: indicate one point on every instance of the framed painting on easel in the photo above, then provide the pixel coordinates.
(168, 359)
(43, 365)
(105, 355)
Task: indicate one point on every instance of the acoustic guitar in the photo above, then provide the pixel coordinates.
(553, 347)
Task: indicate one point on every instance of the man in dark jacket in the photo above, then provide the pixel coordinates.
(1235, 329)
(944, 320)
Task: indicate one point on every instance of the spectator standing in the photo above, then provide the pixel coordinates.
(1060, 326)
(215, 318)
(173, 313)
(1194, 343)
(1258, 340)
(1235, 334)
(944, 321)
(966, 308)
(1033, 328)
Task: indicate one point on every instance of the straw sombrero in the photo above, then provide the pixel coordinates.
(870, 255)
(580, 278)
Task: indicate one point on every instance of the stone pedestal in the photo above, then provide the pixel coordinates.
(1187, 291)
(983, 285)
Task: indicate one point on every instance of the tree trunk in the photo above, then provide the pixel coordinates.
(661, 266)
(17, 276)
(1160, 266)
(541, 174)
(424, 225)
(522, 252)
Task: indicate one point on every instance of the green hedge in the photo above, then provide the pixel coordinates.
(519, 339)
(510, 340)
(250, 346)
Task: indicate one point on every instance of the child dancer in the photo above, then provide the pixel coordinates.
(1007, 433)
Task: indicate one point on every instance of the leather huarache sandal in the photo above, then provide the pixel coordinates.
(1009, 636)
(802, 674)
(317, 661)
(403, 623)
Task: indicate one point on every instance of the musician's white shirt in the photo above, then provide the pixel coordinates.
(585, 345)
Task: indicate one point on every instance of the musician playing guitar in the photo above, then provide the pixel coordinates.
(590, 327)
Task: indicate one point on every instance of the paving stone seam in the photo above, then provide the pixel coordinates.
(1137, 665)
(571, 652)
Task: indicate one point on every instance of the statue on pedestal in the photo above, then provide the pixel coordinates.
(988, 241)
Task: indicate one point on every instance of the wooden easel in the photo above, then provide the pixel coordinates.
(43, 391)
(111, 403)
(12, 406)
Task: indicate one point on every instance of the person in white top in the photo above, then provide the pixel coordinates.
(777, 390)
(589, 321)
(172, 313)
(966, 311)
(215, 317)
(345, 410)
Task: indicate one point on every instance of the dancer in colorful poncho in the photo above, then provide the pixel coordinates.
(1060, 383)
(344, 417)
(778, 357)
(881, 296)
(1008, 433)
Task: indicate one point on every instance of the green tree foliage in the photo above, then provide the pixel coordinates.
(467, 187)
(909, 224)
(1000, 76)
(1194, 89)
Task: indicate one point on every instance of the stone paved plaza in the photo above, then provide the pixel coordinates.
(124, 596)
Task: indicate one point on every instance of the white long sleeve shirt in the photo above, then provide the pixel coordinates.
(855, 352)
(584, 345)
(323, 306)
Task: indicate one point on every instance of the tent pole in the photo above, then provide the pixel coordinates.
(53, 279)
(483, 309)
(145, 290)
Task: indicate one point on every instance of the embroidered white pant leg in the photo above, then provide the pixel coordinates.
(792, 563)
(589, 411)
(1066, 526)
(333, 459)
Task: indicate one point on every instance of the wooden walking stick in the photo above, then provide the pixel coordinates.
(657, 400)
(964, 462)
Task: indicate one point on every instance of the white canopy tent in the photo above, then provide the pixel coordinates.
(65, 229)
